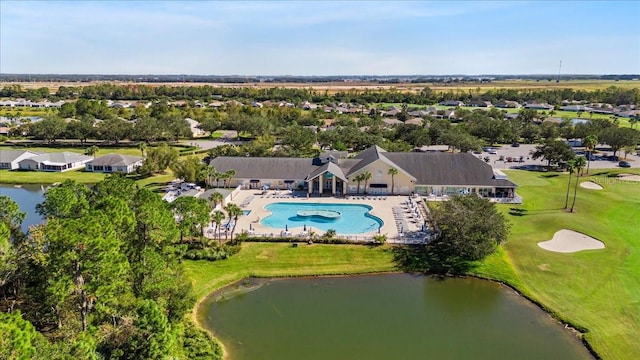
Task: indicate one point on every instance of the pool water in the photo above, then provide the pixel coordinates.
(354, 219)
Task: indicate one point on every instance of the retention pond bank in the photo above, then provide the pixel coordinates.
(394, 316)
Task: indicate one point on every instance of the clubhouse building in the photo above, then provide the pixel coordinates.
(429, 174)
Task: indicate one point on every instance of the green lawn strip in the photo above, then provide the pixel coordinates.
(281, 259)
(78, 149)
(594, 290)
(85, 177)
(41, 177)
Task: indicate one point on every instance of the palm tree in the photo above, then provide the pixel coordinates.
(590, 142)
(366, 176)
(216, 198)
(92, 150)
(359, 179)
(229, 174)
(211, 174)
(393, 172)
(571, 165)
(217, 218)
(142, 146)
(233, 212)
(579, 164)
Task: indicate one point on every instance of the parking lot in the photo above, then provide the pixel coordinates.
(524, 151)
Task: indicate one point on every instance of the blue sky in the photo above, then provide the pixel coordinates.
(319, 38)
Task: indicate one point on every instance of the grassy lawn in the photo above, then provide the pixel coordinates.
(280, 259)
(77, 149)
(595, 290)
(39, 177)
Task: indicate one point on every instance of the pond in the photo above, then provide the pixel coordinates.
(27, 197)
(394, 316)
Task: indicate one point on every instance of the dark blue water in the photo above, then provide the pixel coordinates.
(27, 197)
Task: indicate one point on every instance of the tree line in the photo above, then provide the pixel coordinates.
(612, 95)
(102, 278)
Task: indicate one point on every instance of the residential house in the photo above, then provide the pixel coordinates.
(629, 114)
(508, 104)
(9, 159)
(536, 106)
(419, 113)
(479, 103)
(55, 162)
(195, 128)
(432, 173)
(575, 108)
(115, 163)
(415, 121)
(451, 103)
(391, 121)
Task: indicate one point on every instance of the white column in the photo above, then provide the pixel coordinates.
(333, 185)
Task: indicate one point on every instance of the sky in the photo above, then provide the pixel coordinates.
(319, 38)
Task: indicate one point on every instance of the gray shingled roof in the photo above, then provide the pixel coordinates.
(7, 156)
(264, 167)
(61, 157)
(330, 167)
(447, 169)
(426, 168)
(115, 160)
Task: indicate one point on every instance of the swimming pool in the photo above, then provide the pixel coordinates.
(353, 219)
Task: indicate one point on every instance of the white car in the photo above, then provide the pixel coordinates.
(493, 151)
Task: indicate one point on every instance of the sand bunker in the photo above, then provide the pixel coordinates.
(629, 177)
(568, 241)
(590, 185)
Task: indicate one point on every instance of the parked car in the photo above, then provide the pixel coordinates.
(624, 164)
(493, 151)
(515, 144)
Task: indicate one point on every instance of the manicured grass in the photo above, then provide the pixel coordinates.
(281, 259)
(40, 177)
(595, 290)
(77, 149)
(85, 177)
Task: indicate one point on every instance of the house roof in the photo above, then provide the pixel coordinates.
(434, 168)
(7, 156)
(415, 121)
(115, 160)
(265, 167)
(328, 167)
(60, 158)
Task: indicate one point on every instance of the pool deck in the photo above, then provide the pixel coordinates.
(392, 210)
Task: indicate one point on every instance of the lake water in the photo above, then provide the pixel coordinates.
(396, 316)
(27, 197)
